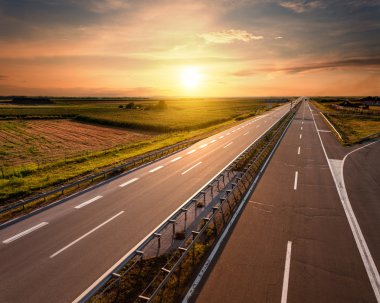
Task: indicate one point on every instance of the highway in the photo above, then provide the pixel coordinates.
(298, 239)
(54, 255)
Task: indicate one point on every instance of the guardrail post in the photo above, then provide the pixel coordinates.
(173, 222)
(158, 236)
(212, 189)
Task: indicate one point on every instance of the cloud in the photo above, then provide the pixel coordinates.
(301, 6)
(229, 36)
(373, 63)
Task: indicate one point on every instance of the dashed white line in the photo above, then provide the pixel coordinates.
(221, 137)
(25, 232)
(85, 235)
(228, 134)
(212, 141)
(295, 180)
(156, 169)
(246, 133)
(176, 159)
(186, 171)
(203, 145)
(190, 152)
(301, 127)
(302, 122)
(285, 283)
(300, 136)
(128, 182)
(88, 202)
(227, 145)
(299, 149)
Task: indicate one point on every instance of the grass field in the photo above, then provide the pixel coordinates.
(353, 127)
(37, 151)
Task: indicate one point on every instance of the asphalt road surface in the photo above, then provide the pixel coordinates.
(55, 255)
(293, 241)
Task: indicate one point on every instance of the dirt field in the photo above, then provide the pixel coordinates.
(33, 141)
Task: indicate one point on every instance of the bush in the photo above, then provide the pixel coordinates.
(161, 105)
(130, 105)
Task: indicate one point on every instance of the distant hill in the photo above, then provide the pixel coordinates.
(31, 100)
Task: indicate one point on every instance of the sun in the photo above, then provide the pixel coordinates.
(191, 77)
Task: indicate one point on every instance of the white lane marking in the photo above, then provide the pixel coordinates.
(227, 145)
(333, 127)
(186, 171)
(295, 180)
(25, 232)
(221, 137)
(302, 122)
(365, 254)
(190, 152)
(212, 141)
(324, 131)
(176, 159)
(299, 149)
(234, 131)
(128, 182)
(86, 234)
(301, 127)
(203, 145)
(88, 202)
(300, 136)
(285, 283)
(246, 133)
(228, 134)
(156, 169)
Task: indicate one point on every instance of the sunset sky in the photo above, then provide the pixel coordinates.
(189, 47)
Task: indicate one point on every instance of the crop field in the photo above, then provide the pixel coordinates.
(42, 141)
(353, 126)
(46, 145)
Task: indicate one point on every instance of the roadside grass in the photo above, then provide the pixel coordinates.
(353, 127)
(183, 120)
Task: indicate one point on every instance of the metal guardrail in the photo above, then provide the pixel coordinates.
(201, 210)
(138, 161)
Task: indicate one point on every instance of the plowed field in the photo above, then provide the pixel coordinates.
(33, 141)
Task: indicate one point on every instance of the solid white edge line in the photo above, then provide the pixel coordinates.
(176, 159)
(88, 202)
(285, 283)
(295, 180)
(228, 145)
(186, 171)
(25, 232)
(116, 265)
(85, 235)
(227, 229)
(333, 127)
(128, 182)
(156, 169)
(369, 264)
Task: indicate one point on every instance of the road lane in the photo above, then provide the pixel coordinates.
(325, 263)
(146, 197)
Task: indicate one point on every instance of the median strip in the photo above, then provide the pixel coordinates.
(24, 233)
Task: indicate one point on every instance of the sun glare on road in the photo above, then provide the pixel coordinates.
(191, 77)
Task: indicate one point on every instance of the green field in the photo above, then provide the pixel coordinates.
(353, 126)
(31, 162)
